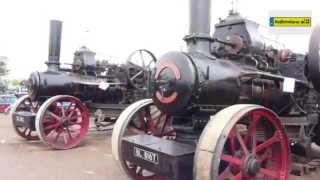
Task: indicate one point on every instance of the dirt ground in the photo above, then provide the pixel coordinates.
(21, 160)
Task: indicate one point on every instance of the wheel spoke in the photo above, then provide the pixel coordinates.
(27, 105)
(52, 126)
(139, 170)
(54, 115)
(69, 133)
(136, 75)
(70, 105)
(77, 131)
(143, 123)
(71, 113)
(29, 133)
(25, 130)
(231, 159)
(251, 139)
(65, 138)
(57, 137)
(252, 131)
(241, 142)
(62, 110)
(148, 114)
(264, 156)
(149, 64)
(32, 108)
(75, 117)
(164, 125)
(267, 143)
(157, 120)
(142, 58)
(268, 172)
(237, 177)
(36, 106)
(71, 123)
(48, 120)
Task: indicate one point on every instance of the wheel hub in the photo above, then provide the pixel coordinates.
(252, 165)
(65, 122)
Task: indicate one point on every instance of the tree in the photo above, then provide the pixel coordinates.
(3, 66)
(3, 72)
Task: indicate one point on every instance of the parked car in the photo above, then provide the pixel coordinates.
(6, 102)
(21, 91)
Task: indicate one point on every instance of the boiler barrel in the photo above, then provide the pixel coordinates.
(184, 80)
(47, 84)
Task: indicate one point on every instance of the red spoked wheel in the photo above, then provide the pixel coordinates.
(141, 117)
(24, 104)
(62, 122)
(243, 142)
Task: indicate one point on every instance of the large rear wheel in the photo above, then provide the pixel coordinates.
(242, 142)
(62, 122)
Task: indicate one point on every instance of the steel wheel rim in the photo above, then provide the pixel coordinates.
(234, 155)
(121, 129)
(247, 156)
(62, 122)
(33, 107)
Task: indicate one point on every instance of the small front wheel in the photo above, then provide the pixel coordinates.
(141, 117)
(24, 104)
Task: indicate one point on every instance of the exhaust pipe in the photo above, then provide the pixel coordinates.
(54, 45)
(199, 30)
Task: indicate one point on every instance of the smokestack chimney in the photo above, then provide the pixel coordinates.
(54, 45)
(199, 32)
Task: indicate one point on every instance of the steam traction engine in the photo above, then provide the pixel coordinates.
(228, 108)
(61, 100)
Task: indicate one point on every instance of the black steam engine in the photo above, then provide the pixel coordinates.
(230, 107)
(62, 99)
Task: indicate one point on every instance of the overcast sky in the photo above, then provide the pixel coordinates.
(114, 28)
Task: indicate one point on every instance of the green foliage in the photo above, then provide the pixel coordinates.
(14, 82)
(3, 66)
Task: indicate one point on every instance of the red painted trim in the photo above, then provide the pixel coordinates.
(167, 100)
(170, 65)
(175, 69)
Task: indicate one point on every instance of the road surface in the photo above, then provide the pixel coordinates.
(21, 160)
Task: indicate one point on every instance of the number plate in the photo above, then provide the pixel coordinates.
(20, 119)
(146, 155)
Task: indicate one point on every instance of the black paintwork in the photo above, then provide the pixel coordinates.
(174, 159)
(236, 66)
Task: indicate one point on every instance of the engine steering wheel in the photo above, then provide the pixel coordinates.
(141, 64)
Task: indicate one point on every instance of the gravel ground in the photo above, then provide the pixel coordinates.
(21, 160)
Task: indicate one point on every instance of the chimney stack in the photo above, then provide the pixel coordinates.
(199, 32)
(54, 45)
